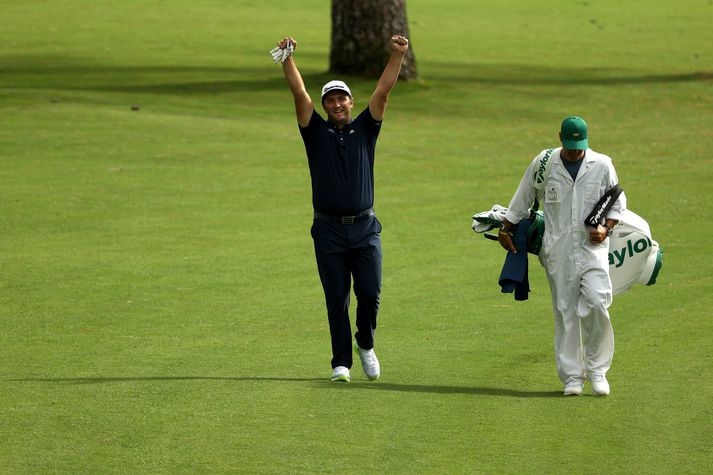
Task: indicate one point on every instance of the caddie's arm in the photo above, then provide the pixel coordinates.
(377, 102)
(303, 103)
(519, 207)
(601, 232)
(505, 236)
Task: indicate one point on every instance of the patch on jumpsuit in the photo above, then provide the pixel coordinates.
(552, 193)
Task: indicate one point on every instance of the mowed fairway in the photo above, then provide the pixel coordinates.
(160, 309)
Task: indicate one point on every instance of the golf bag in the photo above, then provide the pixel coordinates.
(634, 256)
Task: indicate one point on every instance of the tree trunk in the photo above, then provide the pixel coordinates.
(361, 37)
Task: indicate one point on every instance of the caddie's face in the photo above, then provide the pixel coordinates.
(338, 106)
(572, 155)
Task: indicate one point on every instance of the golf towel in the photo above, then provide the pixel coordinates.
(513, 277)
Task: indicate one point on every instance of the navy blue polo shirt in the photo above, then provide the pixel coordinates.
(341, 163)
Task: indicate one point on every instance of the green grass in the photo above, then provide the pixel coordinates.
(159, 301)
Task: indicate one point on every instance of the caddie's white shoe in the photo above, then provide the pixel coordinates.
(573, 388)
(341, 374)
(600, 385)
(369, 362)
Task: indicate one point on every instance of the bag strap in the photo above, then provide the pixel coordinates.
(605, 203)
(540, 177)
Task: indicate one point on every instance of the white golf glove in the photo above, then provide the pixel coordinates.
(279, 55)
(487, 220)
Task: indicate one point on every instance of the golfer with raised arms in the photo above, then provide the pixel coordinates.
(345, 230)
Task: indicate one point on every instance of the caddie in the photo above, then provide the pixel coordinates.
(345, 230)
(569, 181)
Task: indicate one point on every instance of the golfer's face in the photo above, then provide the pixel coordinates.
(338, 106)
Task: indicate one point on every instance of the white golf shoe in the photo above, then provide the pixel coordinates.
(341, 374)
(369, 362)
(573, 388)
(600, 385)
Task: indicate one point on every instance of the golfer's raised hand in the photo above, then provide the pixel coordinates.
(282, 44)
(399, 43)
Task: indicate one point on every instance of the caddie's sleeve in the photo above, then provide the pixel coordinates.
(620, 204)
(524, 197)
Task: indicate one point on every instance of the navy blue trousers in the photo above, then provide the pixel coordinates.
(343, 252)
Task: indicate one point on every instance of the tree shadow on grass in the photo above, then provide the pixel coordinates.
(73, 74)
(322, 382)
(500, 75)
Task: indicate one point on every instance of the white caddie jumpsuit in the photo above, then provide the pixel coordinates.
(577, 269)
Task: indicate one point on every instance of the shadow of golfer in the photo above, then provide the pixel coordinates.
(321, 382)
(130, 379)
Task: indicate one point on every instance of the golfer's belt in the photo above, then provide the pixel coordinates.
(364, 215)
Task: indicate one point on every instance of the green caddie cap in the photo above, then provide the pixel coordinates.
(574, 133)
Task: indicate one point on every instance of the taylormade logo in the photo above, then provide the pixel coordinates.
(540, 173)
(338, 87)
(617, 257)
(595, 219)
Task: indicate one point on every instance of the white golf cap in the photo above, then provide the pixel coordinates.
(335, 86)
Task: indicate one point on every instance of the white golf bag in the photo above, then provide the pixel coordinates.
(634, 257)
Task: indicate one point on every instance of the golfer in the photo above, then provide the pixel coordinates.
(345, 230)
(575, 256)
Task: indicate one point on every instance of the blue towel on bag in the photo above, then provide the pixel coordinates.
(513, 277)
